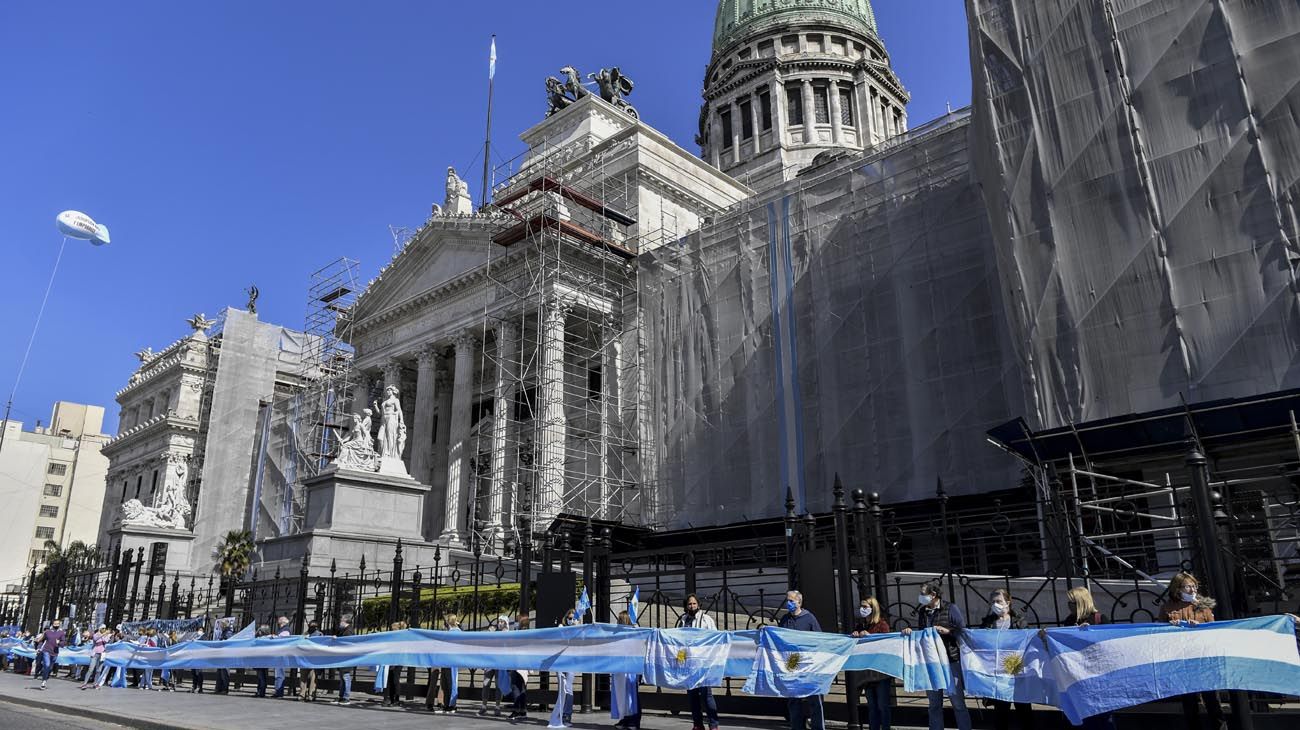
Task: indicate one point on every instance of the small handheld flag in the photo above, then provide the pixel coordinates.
(633, 603)
(583, 606)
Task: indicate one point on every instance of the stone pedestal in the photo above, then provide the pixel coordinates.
(180, 544)
(358, 503)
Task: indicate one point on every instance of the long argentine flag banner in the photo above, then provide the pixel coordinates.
(1098, 669)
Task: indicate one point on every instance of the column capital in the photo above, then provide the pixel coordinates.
(506, 328)
(465, 339)
(557, 306)
(392, 370)
(428, 355)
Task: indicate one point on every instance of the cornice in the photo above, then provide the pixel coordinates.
(137, 432)
(747, 71)
(178, 361)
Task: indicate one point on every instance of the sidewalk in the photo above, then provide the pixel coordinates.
(184, 711)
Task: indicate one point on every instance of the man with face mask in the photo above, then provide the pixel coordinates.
(948, 620)
(701, 698)
(800, 620)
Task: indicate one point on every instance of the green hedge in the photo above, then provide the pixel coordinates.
(493, 601)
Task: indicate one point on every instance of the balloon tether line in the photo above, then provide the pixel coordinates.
(27, 353)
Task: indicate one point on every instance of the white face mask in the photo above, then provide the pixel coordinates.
(924, 600)
(1000, 608)
(1189, 597)
(864, 611)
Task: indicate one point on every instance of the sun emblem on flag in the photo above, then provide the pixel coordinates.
(682, 656)
(1013, 664)
(792, 661)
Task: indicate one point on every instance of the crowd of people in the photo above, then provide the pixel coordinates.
(874, 690)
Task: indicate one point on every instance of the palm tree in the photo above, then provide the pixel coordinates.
(235, 553)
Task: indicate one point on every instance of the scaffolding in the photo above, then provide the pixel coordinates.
(561, 360)
(301, 430)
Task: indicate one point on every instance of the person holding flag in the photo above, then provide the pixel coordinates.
(562, 715)
(701, 698)
(624, 694)
(797, 619)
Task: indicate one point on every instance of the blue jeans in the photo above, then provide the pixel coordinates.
(878, 704)
(957, 696)
(814, 713)
(345, 689)
(279, 682)
(261, 683)
(703, 704)
(44, 665)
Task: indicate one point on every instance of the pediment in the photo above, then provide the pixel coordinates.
(428, 262)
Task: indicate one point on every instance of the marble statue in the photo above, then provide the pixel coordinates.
(357, 449)
(613, 87)
(457, 201)
(199, 323)
(392, 433)
(170, 509)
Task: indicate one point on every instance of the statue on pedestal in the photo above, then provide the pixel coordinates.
(356, 449)
(457, 201)
(613, 87)
(392, 433)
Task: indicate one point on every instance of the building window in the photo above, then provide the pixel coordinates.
(745, 53)
(815, 43)
(125, 483)
(846, 107)
(139, 482)
(57, 469)
(49, 510)
(38, 557)
(45, 533)
(593, 382)
(765, 111)
(794, 100)
(821, 105)
(746, 120)
(726, 129)
(789, 44)
(766, 49)
(53, 490)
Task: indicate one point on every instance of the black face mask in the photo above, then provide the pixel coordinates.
(692, 611)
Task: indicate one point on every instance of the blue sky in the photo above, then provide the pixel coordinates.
(245, 141)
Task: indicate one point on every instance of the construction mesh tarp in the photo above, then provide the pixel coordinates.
(848, 322)
(1140, 162)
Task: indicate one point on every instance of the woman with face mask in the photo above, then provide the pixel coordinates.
(1003, 615)
(875, 685)
(1187, 606)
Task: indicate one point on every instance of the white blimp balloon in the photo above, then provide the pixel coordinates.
(75, 224)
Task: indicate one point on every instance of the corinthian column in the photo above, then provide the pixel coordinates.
(503, 466)
(425, 401)
(458, 446)
(553, 425)
(611, 416)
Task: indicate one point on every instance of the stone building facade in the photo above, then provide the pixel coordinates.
(179, 468)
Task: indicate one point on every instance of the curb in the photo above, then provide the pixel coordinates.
(107, 717)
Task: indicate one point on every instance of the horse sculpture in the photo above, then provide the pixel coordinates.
(613, 87)
(612, 83)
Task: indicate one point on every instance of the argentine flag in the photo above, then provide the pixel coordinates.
(918, 659)
(686, 658)
(1104, 668)
(582, 607)
(633, 603)
(1011, 665)
(797, 663)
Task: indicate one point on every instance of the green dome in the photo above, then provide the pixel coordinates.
(739, 17)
